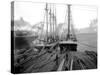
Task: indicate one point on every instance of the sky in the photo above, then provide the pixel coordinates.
(34, 13)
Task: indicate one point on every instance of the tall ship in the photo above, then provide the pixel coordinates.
(50, 24)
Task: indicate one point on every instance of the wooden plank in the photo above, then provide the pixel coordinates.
(61, 65)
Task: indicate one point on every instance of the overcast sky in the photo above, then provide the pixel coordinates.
(34, 13)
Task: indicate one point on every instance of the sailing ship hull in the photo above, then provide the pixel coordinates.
(68, 46)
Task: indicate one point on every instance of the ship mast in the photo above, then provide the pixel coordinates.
(68, 35)
(55, 24)
(46, 9)
(71, 34)
(50, 20)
